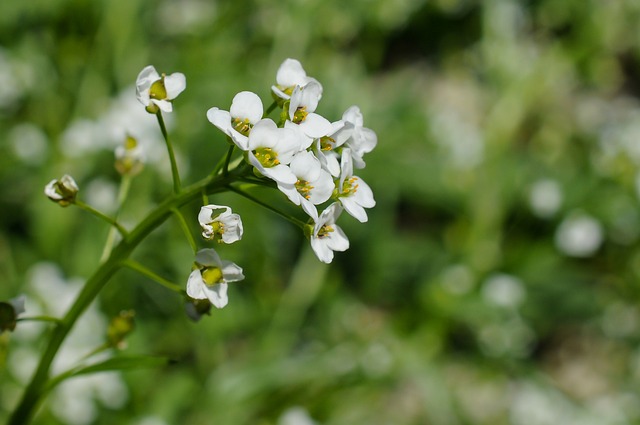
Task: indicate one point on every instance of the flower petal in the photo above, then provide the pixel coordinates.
(208, 257)
(196, 286)
(231, 272)
(175, 84)
(248, 105)
(217, 294)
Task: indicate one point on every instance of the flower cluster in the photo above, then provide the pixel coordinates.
(310, 159)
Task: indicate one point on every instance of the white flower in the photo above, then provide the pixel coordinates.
(313, 186)
(156, 91)
(327, 236)
(246, 110)
(579, 235)
(291, 74)
(362, 139)
(304, 101)
(62, 191)
(352, 192)
(270, 149)
(224, 225)
(210, 277)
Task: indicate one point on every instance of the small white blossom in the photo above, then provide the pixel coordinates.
(217, 221)
(156, 91)
(327, 236)
(304, 101)
(291, 74)
(352, 192)
(313, 186)
(62, 191)
(246, 110)
(210, 278)
(362, 140)
(270, 149)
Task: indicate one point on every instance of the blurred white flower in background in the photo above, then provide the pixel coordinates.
(545, 198)
(579, 235)
(504, 290)
(296, 416)
(29, 143)
(102, 194)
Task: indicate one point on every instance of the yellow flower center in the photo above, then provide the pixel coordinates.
(242, 126)
(324, 231)
(300, 115)
(303, 187)
(158, 90)
(212, 275)
(327, 143)
(267, 157)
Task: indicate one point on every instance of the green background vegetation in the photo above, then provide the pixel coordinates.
(466, 298)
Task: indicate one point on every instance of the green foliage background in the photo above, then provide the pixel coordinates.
(473, 103)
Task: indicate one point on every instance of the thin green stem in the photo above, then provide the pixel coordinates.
(102, 216)
(223, 164)
(244, 194)
(205, 198)
(134, 265)
(227, 159)
(185, 229)
(271, 108)
(39, 319)
(37, 387)
(125, 184)
(172, 156)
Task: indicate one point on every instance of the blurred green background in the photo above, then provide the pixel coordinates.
(496, 281)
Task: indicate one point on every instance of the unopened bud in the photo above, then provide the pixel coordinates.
(62, 191)
(120, 326)
(129, 157)
(9, 312)
(195, 309)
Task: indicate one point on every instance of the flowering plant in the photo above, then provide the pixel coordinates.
(300, 153)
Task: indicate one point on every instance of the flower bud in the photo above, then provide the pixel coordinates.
(9, 312)
(120, 326)
(129, 157)
(195, 309)
(62, 191)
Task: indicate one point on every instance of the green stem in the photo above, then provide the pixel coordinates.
(134, 265)
(111, 237)
(39, 319)
(244, 194)
(185, 229)
(271, 108)
(102, 216)
(35, 390)
(223, 164)
(172, 157)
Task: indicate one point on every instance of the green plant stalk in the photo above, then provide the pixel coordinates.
(244, 194)
(125, 184)
(101, 216)
(134, 265)
(35, 390)
(172, 156)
